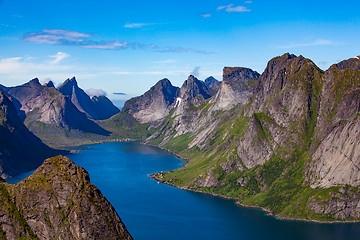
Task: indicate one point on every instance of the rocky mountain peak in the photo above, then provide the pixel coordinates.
(34, 81)
(193, 87)
(212, 84)
(153, 105)
(67, 87)
(98, 110)
(50, 84)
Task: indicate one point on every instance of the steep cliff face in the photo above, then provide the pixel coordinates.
(336, 159)
(155, 104)
(236, 87)
(98, 108)
(283, 109)
(58, 202)
(20, 150)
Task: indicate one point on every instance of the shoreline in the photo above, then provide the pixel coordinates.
(267, 211)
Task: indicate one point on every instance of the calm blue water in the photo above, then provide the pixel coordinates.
(158, 211)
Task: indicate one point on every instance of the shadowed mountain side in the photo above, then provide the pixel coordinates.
(97, 108)
(20, 150)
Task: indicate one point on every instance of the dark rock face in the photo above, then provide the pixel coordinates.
(20, 150)
(212, 84)
(153, 105)
(58, 202)
(50, 84)
(98, 108)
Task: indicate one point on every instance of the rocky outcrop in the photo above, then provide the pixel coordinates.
(236, 87)
(155, 104)
(343, 205)
(97, 108)
(58, 202)
(20, 150)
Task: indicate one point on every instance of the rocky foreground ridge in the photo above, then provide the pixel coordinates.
(285, 140)
(57, 202)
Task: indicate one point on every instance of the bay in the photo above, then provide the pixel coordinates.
(157, 211)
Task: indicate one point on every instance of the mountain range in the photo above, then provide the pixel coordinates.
(284, 140)
(63, 116)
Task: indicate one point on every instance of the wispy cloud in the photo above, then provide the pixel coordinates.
(85, 40)
(318, 42)
(195, 72)
(70, 38)
(137, 25)
(95, 92)
(248, 2)
(233, 8)
(207, 15)
(59, 57)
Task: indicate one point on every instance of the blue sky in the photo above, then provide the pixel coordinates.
(127, 46)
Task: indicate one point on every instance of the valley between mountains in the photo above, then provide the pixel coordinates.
(285, 140)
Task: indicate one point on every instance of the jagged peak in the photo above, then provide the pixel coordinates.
(50, 84)
(69, 82)
(35, 81)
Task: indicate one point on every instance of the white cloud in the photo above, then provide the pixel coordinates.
(232, 8)
(248, 2)
(59, 57)
(207, 15)
(107, 45)
(137, 25)
(318, 42)
(95, 92)
(85, 40)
